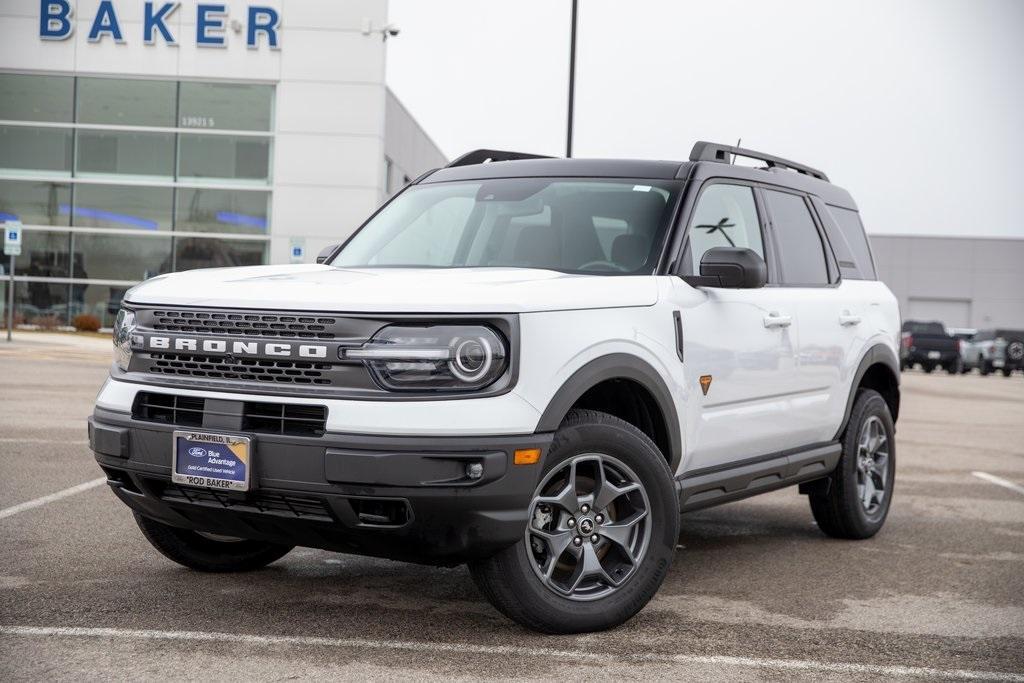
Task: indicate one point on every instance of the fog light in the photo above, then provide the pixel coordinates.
(527, 456)
(474, 470)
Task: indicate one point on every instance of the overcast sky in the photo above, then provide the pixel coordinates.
(915, 106)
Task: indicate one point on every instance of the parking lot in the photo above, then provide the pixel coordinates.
(756, 592)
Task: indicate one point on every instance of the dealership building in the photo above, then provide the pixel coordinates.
(139, 138)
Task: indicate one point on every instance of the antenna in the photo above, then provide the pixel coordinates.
(738, 145)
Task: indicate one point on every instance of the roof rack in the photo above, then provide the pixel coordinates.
(483, 156)
(712, 151)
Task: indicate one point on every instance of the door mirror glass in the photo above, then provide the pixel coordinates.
(326, 253)
(730, 267)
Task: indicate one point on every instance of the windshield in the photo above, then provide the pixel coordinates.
(609, 227)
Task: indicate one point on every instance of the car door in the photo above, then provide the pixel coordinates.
(739, 346)
(829, 315)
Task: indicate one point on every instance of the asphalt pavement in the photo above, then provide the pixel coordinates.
(756, 592)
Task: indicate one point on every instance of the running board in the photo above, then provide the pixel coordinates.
(716, 485)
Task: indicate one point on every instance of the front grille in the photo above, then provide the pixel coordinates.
(252, 369)
(186, 411)
(289, 419)
(248, 324)
(300, 507)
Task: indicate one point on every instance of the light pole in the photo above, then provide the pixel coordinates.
(572, 78)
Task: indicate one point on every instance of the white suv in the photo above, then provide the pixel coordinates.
(529, 365)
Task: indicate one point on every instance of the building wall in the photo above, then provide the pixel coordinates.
(332, 118)
(960, 281)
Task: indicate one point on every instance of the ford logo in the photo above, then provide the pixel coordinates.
(197, 452)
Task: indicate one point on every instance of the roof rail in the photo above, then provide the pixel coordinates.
(483, 156)
(712, 151)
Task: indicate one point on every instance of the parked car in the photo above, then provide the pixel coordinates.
(964, 335)
(530, 365)
(996, 350)
(929, 345)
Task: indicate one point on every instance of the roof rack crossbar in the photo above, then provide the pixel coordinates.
(483, 156)
(712, 151)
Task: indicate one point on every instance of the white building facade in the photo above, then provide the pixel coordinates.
(141, 137)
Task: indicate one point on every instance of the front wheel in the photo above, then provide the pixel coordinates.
(859, 493)
(209, 552)
(602, 528)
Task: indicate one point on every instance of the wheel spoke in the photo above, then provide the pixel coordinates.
(566, 498)
(557, 540)
(868, 493)
(589, 566)
(619, 533)
(608, 492)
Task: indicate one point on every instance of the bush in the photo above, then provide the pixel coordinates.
(86, 323)
(47, 322)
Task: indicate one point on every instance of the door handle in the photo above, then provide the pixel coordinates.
(846, 319)
(773, 319)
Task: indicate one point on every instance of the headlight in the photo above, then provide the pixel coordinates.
(442, 357)
(124, 328)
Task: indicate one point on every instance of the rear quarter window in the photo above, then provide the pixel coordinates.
(846, 233)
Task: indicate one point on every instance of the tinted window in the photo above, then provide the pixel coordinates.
(923, 328)
(850, 235)
(726, 216)
(226, 106)
(36, 98)
(126, 102)
(801, 253)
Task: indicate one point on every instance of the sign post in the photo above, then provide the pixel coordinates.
(12, 247)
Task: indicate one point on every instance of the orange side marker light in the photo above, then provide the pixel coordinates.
(526, 456)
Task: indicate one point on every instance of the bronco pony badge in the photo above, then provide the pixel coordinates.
(705, 383)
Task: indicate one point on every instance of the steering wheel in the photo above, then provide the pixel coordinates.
(603, 265)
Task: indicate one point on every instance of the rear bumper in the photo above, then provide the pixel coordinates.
(922, 356)
(403, 498)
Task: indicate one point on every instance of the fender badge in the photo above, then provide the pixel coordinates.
(705, 383)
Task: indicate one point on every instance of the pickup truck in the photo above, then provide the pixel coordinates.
(929, 345)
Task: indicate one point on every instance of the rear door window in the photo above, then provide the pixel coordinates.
(801, 252)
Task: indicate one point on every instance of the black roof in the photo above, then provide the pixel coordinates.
(708, 160)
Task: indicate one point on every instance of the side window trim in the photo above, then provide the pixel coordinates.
(682, 254)
(831, 267)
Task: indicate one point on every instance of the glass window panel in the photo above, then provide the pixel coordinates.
(226, 106)
(120, 257)
(224, 156)
(204, 252)
(41, 303)
(26, 97)
(101, 301)
(726, 216)
(26, 148)
(222, 211)
(122, 206)
(801, 252)
(34, 202)
(43, 254)
(109, 152)
(126, 102)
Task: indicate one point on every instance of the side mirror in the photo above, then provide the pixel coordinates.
(326, 253)
(730, 267)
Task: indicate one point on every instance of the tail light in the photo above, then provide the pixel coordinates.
(907, 340)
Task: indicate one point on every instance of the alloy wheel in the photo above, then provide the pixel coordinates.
(872, 465)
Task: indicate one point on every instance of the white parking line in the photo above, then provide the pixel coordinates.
(29, 504)
(999, 481)
(506, 650)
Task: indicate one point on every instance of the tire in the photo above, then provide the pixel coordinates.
(840, 510)
(954, 368)
(206, 554)
(513, 580)
(1007, 372)
(984, 367)
(928, 367)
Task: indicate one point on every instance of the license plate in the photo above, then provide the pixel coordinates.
(215, 461)
(934, 354)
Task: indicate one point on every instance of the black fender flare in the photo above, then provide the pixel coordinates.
(879, 354)
(616, 366)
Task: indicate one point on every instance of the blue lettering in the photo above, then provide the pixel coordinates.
(262, 20)
(155, 21)
(55, 20)
(105, 23)
(210, 17)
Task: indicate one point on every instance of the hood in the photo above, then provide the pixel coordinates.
(394, 290)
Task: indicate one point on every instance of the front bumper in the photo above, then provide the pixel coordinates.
(401, 497)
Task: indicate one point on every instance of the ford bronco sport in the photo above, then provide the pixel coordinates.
(526, 364)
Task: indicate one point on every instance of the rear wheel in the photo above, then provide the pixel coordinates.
(207, 552)
(928, 367)
(856, 501)
(1007, 372)
(603, 526)
(984, 367)
(956, 367)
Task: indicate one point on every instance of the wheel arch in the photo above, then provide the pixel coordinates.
(879, 369)
(636, 377)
